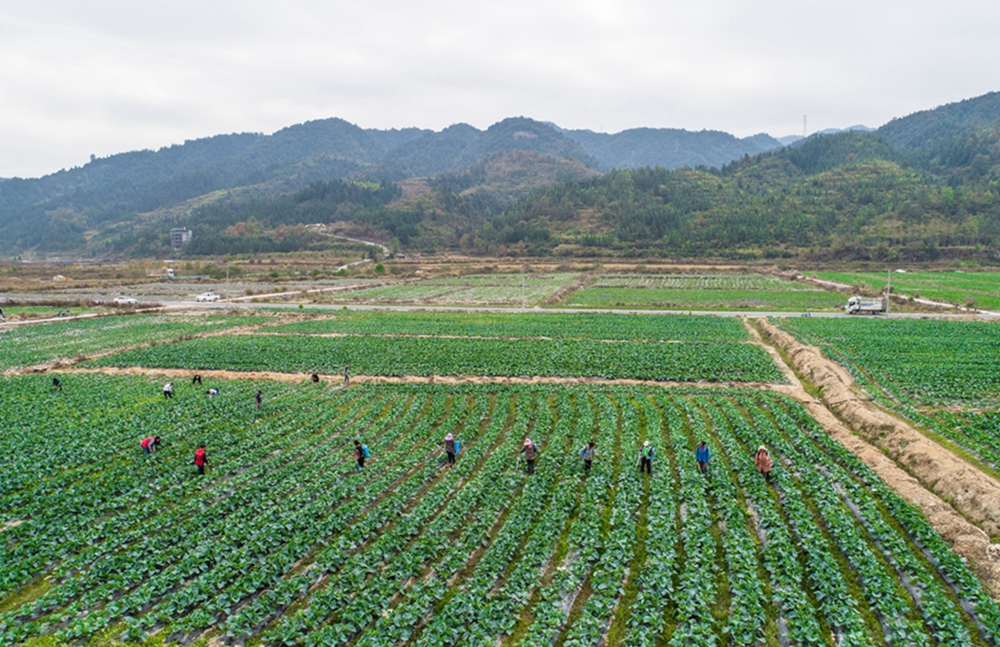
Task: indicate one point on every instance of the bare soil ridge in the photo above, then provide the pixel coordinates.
(337, 379)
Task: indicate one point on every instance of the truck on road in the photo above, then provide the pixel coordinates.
(867, 305)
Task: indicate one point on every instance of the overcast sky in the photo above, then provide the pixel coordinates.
(106, 76)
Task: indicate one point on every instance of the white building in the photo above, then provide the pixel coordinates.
(179, 237)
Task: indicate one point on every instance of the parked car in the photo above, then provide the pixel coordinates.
(207, 296)
(126, 301)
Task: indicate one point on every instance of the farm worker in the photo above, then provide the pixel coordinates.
(315, 378)
(359, 455)
(200, 459)
(347, 375)
(449, 448)
(196, 380)
(212, 392)
(56, 384)
(260, 399)
(763, 462)
(646, 458)
(168, 390)
(530, 451)
(588, 453)
(702, 455)
(150, 444)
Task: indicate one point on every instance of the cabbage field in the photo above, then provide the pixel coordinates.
(550, 325)
(34, 344)
(702, 292)
(423, 356)
(931, 361)
(940, 374)
(661, 348)
(283, 542)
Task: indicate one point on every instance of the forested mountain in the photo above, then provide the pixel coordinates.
(920, 186)
(444, 208)
(669, 147)
(86, 208)
(960, 141)
(849, 196)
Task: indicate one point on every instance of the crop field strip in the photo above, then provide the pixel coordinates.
(701, 292)
(697, 282)
(533, 325)
(939, 374)
(282, 543)
(402, 356)
(479, 289)
(683, 349)
(946, 287)
(29, 345)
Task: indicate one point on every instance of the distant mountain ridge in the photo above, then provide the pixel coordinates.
(669, 147)
(485, 189)
(65, 209)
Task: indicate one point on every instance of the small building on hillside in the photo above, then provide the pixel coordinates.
(179, 236)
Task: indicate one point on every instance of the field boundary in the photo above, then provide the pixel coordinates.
(337, 379)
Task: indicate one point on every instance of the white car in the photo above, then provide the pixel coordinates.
(207, 296)
(126, 301)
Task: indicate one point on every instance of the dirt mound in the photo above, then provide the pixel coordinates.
(974, 493)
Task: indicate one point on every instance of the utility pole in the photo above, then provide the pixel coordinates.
(888, 288)
(227, 282)
(804, 131)
(524, 304)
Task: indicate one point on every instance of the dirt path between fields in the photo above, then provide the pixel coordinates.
(927, 475)
(449, 380)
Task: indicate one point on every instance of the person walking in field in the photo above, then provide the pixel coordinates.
(588, 453)
(762, 459)
(315, 378)
(260, 399)
(168, 390)
(196, 380)
(347, 375)
(450, 449)
(646, 458)
(702, 455)
(200, 458)
(530, 451)
(359, 455)
(150, 444)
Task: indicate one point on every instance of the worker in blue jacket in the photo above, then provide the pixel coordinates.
(702, 455)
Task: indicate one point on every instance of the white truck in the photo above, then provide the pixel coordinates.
(867, 305)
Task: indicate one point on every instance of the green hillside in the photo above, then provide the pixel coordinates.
(959, 141)
(846, 196)
(920, 188)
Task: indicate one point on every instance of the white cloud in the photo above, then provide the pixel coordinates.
(107, 76)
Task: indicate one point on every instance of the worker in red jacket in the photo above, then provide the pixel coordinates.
(200, 459)
(150, 444)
